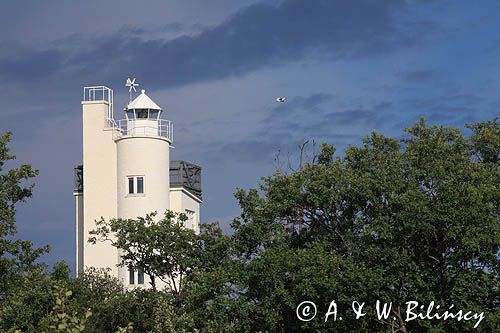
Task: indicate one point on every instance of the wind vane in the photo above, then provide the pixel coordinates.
(131, 86)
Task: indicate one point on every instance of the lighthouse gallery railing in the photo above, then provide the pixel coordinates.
(156, 128)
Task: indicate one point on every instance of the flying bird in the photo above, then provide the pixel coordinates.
(280, 100)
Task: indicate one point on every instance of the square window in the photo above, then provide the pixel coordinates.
(140, 276)
(142, 114)
(140, 184)
(190, 218)
(153, 114)
(135, 185)
(131, 276)
(131, 185)
(130, 115)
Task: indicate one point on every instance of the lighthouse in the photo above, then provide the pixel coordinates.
(126, 173)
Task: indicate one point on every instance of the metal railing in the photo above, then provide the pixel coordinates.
(187, 175)
(101, 93)
(154, 128)
(78, 179)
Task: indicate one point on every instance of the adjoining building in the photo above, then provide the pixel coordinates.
(127, 173)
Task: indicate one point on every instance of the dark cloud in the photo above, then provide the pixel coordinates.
(350, 117)
(314, 117)
(248, 150)
(168, 27)
(418, 75)
(256, 36)
(30, 64)
(493, 48)
(275, 134)
(453, 109)
(454, 102)
(369, 117)
(299, 105)
(467, 99)
(309, 102)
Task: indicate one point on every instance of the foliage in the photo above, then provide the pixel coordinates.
(16, 255)
(59, 320)
(415, 219)
(163, 249)
(27, 302)
(390, 221)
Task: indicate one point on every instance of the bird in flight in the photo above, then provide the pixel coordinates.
(280, 100)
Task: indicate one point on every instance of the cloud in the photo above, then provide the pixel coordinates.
(493, 48)
(452, 108)
(418, 75)
(248, 150)
(30, 64)
(317, 117)
(297, 106)
(313, 116)
(308, 102)
(257, 36)
(451, 103)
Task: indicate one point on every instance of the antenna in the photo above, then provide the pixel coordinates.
(131, 86)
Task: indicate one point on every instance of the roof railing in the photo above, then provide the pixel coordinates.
(100, 93)
(187, 175)
(78, 179)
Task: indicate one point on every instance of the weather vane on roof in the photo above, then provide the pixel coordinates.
(131, 86)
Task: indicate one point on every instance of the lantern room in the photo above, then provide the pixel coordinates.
(143, 119)
(143, 108)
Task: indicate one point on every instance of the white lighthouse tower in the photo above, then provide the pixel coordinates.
(127, 173)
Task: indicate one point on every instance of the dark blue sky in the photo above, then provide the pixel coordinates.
(345, 67)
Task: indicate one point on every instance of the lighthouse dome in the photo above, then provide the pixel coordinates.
(143, 107)
(143, 102)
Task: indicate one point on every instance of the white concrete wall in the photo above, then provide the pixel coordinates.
(107, 165)
(180, 200)
(147, 157)
(99, 182)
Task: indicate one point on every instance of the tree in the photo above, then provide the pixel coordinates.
(61, 321)
(163, 249)
(396, 221)
(485, 140)
(33, 299)
(16, 256)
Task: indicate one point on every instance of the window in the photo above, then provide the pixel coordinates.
(131, 276)
(131, 185)
(190, 219)
(130, 115)
(141, 114)
(140, 276)
(140, 184)
(135, 185)
(153, 114)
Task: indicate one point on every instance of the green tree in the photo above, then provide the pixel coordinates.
(61, 321)
(16, 256)
(31, 304)
(209, 297)
(396, 221)
(163, 249)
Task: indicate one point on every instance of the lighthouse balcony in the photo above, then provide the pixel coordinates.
(159, 128)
